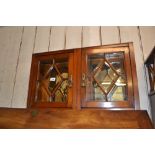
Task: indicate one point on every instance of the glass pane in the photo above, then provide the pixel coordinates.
(118, 94)
(52, 83)
(99, 94)
(106, 79)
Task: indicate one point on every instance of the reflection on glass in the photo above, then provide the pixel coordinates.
(107, 79)
(52, 85)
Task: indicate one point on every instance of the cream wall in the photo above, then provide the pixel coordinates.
(17, 44)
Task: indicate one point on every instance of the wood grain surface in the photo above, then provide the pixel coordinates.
(73, 119)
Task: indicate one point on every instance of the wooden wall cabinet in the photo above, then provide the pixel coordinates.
(94, 77)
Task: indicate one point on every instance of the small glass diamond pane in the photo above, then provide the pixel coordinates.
(58, 97)
(118, 94)
(52, 81)
(107, 77)
(117, 61)
(99, 94)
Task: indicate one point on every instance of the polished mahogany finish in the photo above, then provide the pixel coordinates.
(74, 119)
(109, 65)
(96, 77)
(51, 80)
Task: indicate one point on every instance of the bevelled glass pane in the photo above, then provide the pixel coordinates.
(99, 94)
(52, 84)
(106, 77)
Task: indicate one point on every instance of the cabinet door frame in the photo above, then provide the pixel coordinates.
(130, 69)
(36, 58)
(77, 92)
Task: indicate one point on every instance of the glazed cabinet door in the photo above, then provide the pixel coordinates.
(106, 80)
(51, 82)
(95, 77)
